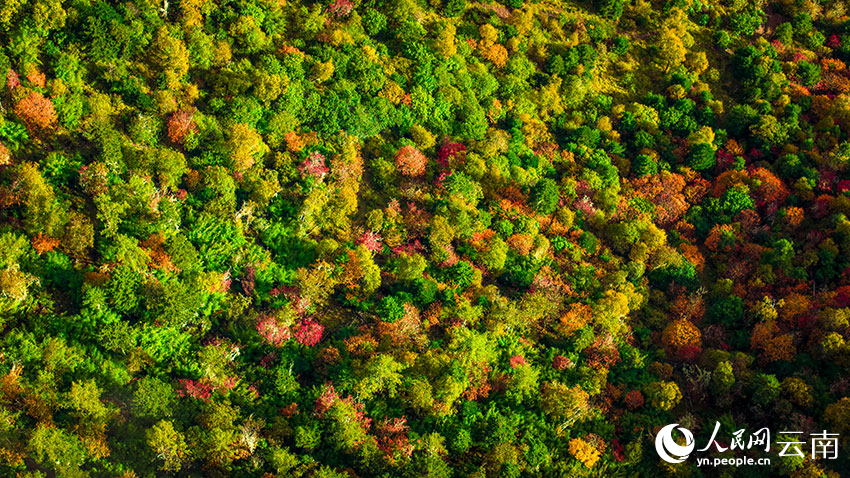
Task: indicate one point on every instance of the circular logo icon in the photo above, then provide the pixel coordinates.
(668, 449)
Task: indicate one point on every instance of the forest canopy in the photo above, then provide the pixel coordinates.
(444, 238)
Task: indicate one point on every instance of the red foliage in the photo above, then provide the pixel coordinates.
(371, 240)
(409, 249)
(633, 399)
(834, 41)
(518, 361)
(585, 205)
(271, 331)
(325, 401)
(340, 8)
(451, 151)
(329, 398)
(314, 165)
(309, 333)
(393, 439)
(410, 161)
(12, 80)
(36, 111)
(195, 388)
(180, 125)
(561, 363)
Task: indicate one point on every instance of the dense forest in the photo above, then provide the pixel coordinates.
(443, 238)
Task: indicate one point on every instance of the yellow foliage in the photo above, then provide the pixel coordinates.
(583, 452)
(681, 333)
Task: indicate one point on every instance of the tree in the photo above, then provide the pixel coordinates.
(37, 112)
(701, 157)
(583, 452)
(43, 210)
(154, 398)
(380, 374)
(168, 444)
(569, 404)
(245, 146)
(546, 195)
(663, 395)
(644, 165)
(409, 161)
(57, 449)
(180, 125)
(84, 398)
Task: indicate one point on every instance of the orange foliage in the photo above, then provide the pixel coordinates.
(95, 442)
(10, 387)
(556, 228)
(293, 141)
(159, 258)
(521, 243)
(774, 346)
(794, 216)
(664, 190)
(836, 83)
(479, 386)
(11, 457)
(681, 333)
(768, 187)
(728, 179)
(5, 155)
(495, 53)
(583, 452)
(719, 238)
(99, 279)
(36, 78)
(180, 125)
(403, 329)
(688, 307)
(733, 148)
(361, 345)
(410, 161)
(37, 408)
(432, 314)
(193, 178)
(481, 240)
(577, 317)
(794, 305)
(43, 243)
(692, 254)
(696, 190)
(290, 49)
(796, 90)
(833, 64)
(329, 356)
(36, 111)
(749, 219)
(495, 111)
(686, 230)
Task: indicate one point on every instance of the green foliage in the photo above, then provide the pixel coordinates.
(412, 238)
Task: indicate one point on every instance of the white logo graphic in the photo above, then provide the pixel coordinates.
(668, 449)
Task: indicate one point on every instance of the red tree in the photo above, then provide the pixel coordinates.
(410, 161)
(36, 111)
